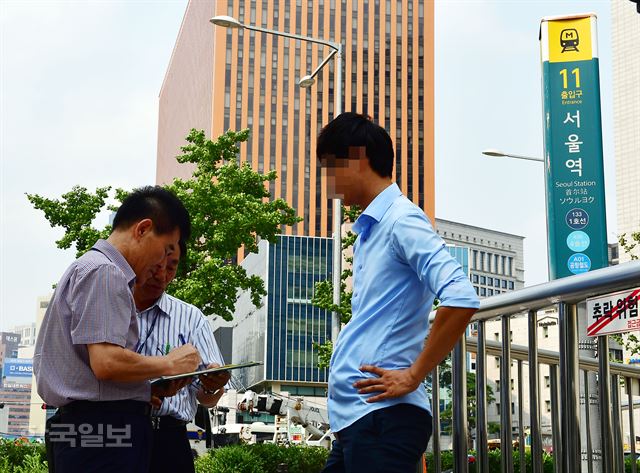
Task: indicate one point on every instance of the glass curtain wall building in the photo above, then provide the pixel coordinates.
(282, 331)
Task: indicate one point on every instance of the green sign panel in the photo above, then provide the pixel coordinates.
(576, 215)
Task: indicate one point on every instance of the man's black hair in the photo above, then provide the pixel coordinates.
(354, 130)
(156, 203)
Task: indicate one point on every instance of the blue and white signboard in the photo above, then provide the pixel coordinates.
(17, 372)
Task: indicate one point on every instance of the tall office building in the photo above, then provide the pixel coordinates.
(281, 332)
(625, 31)
(221, 79)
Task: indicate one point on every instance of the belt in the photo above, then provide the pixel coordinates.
(167, 422)
(128, 406)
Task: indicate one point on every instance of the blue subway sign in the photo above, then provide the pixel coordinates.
(574, 171)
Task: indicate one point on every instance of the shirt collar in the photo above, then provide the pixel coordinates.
(375, 210)
(162, 304)
(110, 251)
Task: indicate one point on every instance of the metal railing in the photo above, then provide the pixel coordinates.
(565, 368)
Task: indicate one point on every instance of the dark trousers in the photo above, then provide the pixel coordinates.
(388, 440)
(99, 440)
(171, 452)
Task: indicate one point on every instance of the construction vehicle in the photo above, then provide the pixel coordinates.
(297, 421)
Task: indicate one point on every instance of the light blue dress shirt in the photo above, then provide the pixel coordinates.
(399, 266)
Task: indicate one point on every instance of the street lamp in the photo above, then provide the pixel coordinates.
(499, 154)
(305, 82)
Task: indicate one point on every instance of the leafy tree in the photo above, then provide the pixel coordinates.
(628, 244)
(230, 208)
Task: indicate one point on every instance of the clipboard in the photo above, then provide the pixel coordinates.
(166, 379)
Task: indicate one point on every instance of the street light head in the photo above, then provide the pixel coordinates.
(226, 22)
(306, 82)
(493, 152)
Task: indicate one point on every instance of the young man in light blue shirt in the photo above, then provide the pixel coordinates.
(378, 407)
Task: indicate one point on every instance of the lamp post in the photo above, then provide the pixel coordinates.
(306, 82)
(499, 154)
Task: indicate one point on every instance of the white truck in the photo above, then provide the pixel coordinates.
(297, 421)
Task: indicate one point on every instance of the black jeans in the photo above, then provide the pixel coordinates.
(99, 440)
(388, 440)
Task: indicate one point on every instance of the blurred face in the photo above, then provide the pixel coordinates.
(344, 174)
(151, 251)
(153, 288)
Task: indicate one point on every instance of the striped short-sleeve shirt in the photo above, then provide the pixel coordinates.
(166, 325)
(92, 303)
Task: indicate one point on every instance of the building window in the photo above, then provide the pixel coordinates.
(490, 292)
(498, 407)
(483, 291)
(547, 405)
(547, 382)
(504, 284)
(490, 281)
(497, 282)
(483, 280)
(497, 358)
(497, 385)
(511, 285)
(477, 290)
(475, 278)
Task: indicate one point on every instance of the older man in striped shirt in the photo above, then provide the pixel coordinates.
(166, 322)
(84, 361)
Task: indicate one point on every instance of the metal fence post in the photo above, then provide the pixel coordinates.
(506, 434)
(570, 399)
(534, 394)
(460, 435)
(604, 391)
(481, 400)
(435, 411)
(555, 420)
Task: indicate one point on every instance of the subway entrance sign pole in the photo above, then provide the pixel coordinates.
(576, 215)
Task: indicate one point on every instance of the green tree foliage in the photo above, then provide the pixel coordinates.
(629, 244)
(230, 208)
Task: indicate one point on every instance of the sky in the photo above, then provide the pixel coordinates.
(79, 105)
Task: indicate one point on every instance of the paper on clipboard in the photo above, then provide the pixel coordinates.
(166, 379)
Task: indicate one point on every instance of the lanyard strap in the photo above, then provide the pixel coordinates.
(153, 324)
